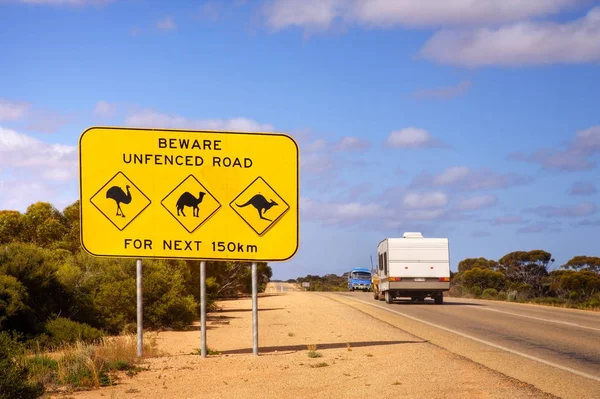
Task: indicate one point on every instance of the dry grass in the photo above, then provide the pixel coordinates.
(81, 365)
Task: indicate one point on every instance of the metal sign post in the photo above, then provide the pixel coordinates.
(140, 331)
(254, 310)
(203, 308)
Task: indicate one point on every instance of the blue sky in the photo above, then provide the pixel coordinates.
(476, 121)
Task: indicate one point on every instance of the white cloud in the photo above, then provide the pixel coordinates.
(166, 24)
(477, 202)
(463, 178)
(320, 161)
(104, 108)
(424, 214)
(12, 110)
(451, 175)
(341, 212)
(588, 140)
(508, 219)
(568, 160)
(582, 188)
(435, 199)
(373, 215)
(444, 92)
(46, 121)
(50, 161)
(321, 14)
(576, 156)
(579, 210)
(522, 43)
(541, 227)
(18, 194)
(412, 137)
(316, 163)
(151, 118)
(317, 145)
(588, 223)
(351, 144)
(307, 13)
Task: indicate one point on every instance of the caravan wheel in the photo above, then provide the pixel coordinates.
(388, 297)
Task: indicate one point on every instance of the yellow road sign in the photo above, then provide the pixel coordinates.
(165, 193)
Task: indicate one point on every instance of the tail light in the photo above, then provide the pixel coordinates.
(395, 278)
(444, 279)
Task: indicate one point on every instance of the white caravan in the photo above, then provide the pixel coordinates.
(414, 267)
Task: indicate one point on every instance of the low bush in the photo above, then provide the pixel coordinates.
(476, 291)
(85, 365)
(14, 376)
(574, 295)
(65, 331)
(489, 293)
(43, 370)
(502, 296)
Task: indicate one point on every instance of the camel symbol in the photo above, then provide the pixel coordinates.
(187, 199)
(116, 193)
(261, 204)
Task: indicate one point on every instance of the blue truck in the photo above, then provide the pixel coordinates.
(359, 278)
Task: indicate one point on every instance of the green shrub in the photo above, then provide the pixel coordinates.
(574, 295)
(593, 303)
(489, 293)
(43, 369)
(502, 296)
(62, 331)
(476, 291)
(484, 278)
(14, 377)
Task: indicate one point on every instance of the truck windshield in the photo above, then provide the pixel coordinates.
(361, 276)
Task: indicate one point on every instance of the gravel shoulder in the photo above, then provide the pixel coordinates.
(360, 355)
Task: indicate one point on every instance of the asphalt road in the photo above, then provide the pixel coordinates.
(539, 339)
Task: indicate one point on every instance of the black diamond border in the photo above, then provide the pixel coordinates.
(208, 192)
(274, 221)
(134, 185)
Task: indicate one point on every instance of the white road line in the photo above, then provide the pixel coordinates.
(537, 359)
(534, 318)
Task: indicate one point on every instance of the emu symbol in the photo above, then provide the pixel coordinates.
(187, 199)
(117, 194)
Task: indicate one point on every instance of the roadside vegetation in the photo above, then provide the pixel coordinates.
(519, 276)
(526, 277)
(329, 282)
(61, 309)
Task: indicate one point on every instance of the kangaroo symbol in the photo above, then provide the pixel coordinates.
(261, 204)
(187, 199)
